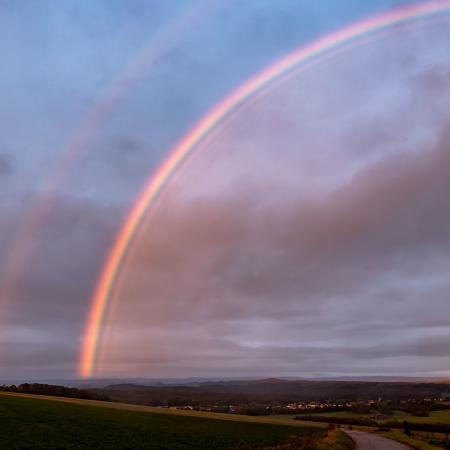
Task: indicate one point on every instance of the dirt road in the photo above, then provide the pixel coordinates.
(368, 441)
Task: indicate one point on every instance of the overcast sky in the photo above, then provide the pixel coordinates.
(310, 237)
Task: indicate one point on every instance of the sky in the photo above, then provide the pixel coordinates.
(308, 237)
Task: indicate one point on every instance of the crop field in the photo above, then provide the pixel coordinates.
(40, 423)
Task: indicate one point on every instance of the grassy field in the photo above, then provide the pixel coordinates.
(28, 422)
(442, 416)
(417, 441)
(336, 440)
(274, 419)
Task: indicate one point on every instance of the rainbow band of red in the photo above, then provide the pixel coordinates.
(180, 153)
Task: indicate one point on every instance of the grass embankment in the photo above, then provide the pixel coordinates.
(413, 441)
(336, 440)
(28, 422)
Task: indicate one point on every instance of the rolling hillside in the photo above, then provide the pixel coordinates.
(32, 422)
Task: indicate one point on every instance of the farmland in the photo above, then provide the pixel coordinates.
(42, 423)
(440, 416)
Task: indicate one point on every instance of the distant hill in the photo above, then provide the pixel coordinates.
(388, 379)
(198, 381)
(271, 390)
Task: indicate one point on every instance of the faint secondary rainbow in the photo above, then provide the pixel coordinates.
(76, 148)
(214, 118)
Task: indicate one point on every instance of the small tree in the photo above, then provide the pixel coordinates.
(407, 428)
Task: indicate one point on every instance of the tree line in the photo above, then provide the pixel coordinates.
(54, 391)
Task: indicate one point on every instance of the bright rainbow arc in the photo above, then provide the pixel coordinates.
(180, 153)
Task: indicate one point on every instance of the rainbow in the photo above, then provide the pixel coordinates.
(203, 129)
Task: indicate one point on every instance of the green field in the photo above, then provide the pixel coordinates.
(417, 441)
(38, 423)
(442, 416)
(336, 440)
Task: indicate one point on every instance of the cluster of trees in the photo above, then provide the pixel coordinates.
(54, 391)
(423, 408)
(382, 408)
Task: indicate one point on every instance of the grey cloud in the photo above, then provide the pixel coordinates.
(47, 304)
(318, 217)
(6, 165)
(368, 261)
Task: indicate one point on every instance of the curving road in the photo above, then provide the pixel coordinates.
(368, 441)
